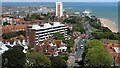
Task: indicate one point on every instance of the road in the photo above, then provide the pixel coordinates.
(77, 54)
(71, 61)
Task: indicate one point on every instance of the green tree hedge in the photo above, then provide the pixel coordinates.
(37, 60)
(14, 57)
(96, 55)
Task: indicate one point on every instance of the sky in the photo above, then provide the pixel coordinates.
(60, 0)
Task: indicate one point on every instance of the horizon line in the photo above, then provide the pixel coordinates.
(68, 1)
(86, 2)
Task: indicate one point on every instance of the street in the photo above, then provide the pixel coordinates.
(76, 55)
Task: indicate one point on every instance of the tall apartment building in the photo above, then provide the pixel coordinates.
(38, 33)
(59, 9)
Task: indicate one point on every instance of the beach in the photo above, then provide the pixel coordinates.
(108, 23)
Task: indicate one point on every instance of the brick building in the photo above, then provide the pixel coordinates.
(114, 50)
(14, 28)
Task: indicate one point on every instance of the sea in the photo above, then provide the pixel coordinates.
(107, 10)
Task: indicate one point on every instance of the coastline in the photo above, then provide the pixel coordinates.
(108, 23)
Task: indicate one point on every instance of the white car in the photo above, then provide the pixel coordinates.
(81, 46)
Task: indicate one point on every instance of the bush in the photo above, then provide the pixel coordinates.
(106, 35)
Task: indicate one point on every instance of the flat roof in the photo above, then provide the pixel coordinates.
(46, 25)
(117, 49)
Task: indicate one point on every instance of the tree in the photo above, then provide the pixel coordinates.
(58, 62)
(94, 43)
(6, 23)
(87, 18)
(14, 57)
(73, 20)
(38, 60)
(104, 29)
(70, 44)
(79, 27)
(59, 36)
(34, 17)
(97, 56)
(106, 35)
(96, 24)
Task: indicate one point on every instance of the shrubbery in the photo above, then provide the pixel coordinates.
(106, 35)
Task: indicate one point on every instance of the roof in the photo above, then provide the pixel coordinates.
(111, 48)
(24, 22)
(86, 11)
(117, 49)
(35, 21)
(51, 50)
(58, 43)
(10, 28)
(3, 48)
(46, 25)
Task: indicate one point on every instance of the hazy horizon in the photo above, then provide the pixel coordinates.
(60, 0)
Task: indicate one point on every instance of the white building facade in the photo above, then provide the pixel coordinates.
(59, 9)
(47, 31)
(8, 20)
(86, 13)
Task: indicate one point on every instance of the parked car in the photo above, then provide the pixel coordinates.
(76, 48)
(78, 60)
(81, 46)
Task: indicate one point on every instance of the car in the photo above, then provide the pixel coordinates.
(81, 46)
(78, 60)
(76, 48)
